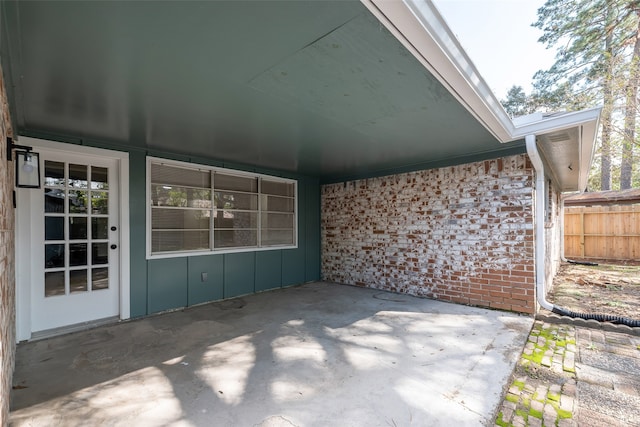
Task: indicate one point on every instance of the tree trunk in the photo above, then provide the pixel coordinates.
(607, 95)
(626, 166)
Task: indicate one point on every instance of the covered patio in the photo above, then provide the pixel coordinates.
(317, 354)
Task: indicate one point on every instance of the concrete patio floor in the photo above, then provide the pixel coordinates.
(320, 354)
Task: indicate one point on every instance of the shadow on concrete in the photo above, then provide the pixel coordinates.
(317, 354)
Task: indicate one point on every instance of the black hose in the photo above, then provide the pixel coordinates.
(617, 320)
(570, 261)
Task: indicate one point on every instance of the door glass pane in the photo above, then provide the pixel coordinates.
(53, 174)
(77, 281)
(54, 283)
(99, 278)
(99, 227)
(78, 176)
(53, 200)
(99, 179)
(99, 253)
(99, 202)
(77, 227)
(54, 228)
(77, 201)
(77, 254)
(54, 256)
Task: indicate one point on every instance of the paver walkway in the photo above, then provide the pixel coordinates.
(572, 375)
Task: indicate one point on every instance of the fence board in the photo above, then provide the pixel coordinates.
(604, 232)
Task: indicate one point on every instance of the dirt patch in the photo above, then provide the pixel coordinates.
(604, 288)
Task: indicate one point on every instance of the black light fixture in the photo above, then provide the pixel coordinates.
(27, 165)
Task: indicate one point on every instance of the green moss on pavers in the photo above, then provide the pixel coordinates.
(526, 402)
(535, 414)
(524, 414)
(519, 384)
(512, 398)
(500, 421)
(553, 397)
(561, 412)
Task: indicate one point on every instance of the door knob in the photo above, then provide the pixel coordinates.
(114, 246)
(113, 228)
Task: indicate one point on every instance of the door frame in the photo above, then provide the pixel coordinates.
(24, 238)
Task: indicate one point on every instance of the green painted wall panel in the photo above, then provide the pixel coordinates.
(212, 288)
(312, 230)
(239, 274)
(167, 283)
(137, 233)
(293, 260)
(268, 270)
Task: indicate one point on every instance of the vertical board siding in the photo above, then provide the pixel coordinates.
(138, 233)
(602, 232)
(268, 270)
(462, 233)
(239, 274)
(167, 285)
(164, 284)
(312, 232)
(212, 288)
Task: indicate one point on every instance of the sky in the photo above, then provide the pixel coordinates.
(498, 37)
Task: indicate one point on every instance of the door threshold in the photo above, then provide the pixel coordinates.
(63, 330)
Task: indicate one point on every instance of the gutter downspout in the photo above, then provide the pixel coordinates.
(538, 166)
(541, 295)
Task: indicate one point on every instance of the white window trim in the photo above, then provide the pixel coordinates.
(213, 251)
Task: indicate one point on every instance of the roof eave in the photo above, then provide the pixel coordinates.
(418, 25)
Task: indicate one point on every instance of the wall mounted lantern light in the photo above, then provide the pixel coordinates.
(27, 165)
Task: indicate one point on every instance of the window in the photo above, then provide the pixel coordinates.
(197, 209)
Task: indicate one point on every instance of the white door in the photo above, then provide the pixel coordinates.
(74, 247)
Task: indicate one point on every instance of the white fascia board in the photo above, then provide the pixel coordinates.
(557, 123)
(418, 25)
(586, 120)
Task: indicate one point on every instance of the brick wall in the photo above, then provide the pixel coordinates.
(7, 275)
(462, 234)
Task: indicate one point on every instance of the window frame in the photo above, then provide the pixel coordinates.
(150, 160)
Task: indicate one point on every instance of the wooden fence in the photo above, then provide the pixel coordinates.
(602, 232)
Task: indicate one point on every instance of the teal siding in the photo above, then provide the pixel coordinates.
(212, 288)
(167, 284)
(312, 231)
(293, 260)
(239, 274)
(268, 270)
(137, 234)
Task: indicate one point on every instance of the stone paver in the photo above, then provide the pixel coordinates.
(570, 375)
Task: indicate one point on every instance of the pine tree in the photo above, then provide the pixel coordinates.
(592, 36)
